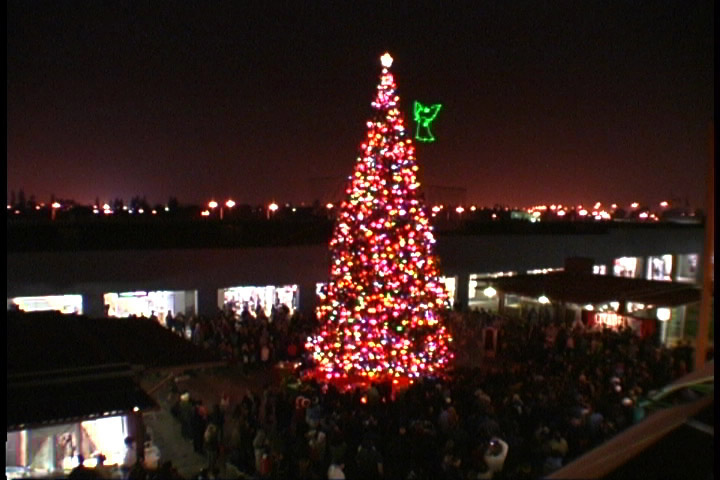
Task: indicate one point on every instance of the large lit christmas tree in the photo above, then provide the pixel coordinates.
(379, 316)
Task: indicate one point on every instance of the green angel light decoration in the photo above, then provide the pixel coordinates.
(424, 116)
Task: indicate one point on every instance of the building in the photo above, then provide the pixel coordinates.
(195, 268)
(73, 387)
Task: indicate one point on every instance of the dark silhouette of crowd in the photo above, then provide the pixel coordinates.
(553, 391)
(247, 336)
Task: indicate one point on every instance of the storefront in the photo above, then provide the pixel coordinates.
(53, 451)
(146, 304)
(628, 267)
(62, 303)
(258, 300)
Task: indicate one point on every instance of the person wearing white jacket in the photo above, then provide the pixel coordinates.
(496, 454)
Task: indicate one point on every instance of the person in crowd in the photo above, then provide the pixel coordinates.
(336, 471)
(211, 445)
(131, 457)
(369, 461)
(496, 454)
(81, 472)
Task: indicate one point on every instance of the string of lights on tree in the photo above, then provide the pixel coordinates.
(380, 314)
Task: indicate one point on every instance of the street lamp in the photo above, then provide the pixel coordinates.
(272, 208)
(55, 206)
(213, 205)
(229, 204)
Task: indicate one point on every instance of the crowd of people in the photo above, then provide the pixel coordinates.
(555, 391)
(248, 337)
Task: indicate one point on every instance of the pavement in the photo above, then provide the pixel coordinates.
(208, 386)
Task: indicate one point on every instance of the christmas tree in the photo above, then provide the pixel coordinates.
(379, 316)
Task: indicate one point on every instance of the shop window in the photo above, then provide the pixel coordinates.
(147, 304)
(660, 268)
(687, 267)
(625, 267)
(260, 300)
(69, 304)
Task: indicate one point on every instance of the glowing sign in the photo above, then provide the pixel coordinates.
(424, 116)
(610, 319)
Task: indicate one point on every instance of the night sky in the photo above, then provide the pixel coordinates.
(543, 102)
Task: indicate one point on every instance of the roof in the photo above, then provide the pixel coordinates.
(50, 341)
(68, 368)
(40, 401)
(583, 288)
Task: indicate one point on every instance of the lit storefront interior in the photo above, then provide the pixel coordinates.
(660, 268)
(62, 303)
(54, 450)
(146, 304)
(258, 300)
(687, 268)
(450, 287)
(628, 267)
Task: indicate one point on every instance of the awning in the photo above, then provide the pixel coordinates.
(582, 289)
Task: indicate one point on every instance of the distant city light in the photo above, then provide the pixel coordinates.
(583, 212)
(54, 205)
(212, 204)
(561, 213)
(329, 206)
(205, 213)
(543, 299)
(459, 209)
(141, 210)
(663, 204)
(230, 203)
(490, 292)
(643, 215)
(273, 207)
(634, 205)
